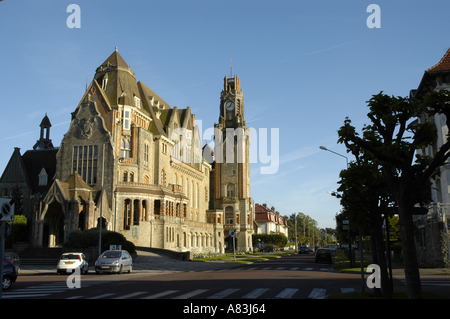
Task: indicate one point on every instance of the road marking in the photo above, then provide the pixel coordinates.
(317, 293)
(295, 268)
(323, 269)
(266, 268)
(280, 268)
(255, 293)
(161, 294)
(287, 293)
(308, 268)
(191, 294)
(101, 296)
(223, 294)
(130, 295)
(345, 290)
(24, 295)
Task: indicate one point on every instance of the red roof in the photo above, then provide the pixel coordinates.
(443, 65)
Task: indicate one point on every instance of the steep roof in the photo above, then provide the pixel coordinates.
(15, 170)
(45, 122)
(34, 161)
(430, 76)
(443, 65)
(115, 59)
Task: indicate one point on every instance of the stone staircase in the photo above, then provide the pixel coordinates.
(40, 256)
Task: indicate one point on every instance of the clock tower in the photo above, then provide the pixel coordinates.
(232, 167)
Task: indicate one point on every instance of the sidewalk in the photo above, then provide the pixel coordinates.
(427, 277)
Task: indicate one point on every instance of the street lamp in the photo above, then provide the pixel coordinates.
(360, 236)
(326, 149)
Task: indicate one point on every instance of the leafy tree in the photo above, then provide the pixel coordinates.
(392, 138)
(364, 198)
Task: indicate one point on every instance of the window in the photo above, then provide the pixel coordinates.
(229, 215)
(125, 148)
(126, 214)
(84, 162)
(43, 177)
(163, 177)
(230, 190)
(137, 102)
(126, 119)
(146, 154)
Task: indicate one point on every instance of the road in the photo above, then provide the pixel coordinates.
(290, 277)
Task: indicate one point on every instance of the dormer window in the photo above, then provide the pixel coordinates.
(43, 178)
(137, 101)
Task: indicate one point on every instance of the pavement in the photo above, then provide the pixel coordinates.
(435, 280)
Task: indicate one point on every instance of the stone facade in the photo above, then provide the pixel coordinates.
(136, 162)
(231, 200)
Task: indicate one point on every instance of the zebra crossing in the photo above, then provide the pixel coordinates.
(45, 290)
(272, 268)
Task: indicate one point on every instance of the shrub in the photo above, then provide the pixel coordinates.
(83, 239)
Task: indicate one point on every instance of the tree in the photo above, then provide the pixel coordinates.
(364, 198)
(392, 138)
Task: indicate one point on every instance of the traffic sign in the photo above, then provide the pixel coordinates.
(232, 233)
(6, 210)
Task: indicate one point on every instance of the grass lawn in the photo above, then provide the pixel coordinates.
(345, 266)
(243, 258)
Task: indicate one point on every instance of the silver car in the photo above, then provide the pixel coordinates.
(114, 261)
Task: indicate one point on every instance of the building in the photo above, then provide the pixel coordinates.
(27, 178)
(231, 203)
(270, 221)
(133, 164)
(432, 239)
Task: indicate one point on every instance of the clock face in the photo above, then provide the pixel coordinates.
(229, 106)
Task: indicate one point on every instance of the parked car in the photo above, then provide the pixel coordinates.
(324, 255)
(269, 249)
(69, 261)
(303, 250)
(114, 261)
(9, 274)
(14, 258)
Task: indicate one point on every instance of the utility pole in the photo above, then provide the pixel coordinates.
(295, 223)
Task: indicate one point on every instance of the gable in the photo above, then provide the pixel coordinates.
(15, 170)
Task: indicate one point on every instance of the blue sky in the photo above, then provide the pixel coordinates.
(304, 66)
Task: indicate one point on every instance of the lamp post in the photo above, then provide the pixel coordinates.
(360, 236)
(326, 149)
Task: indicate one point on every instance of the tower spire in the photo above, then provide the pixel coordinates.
(231, 70)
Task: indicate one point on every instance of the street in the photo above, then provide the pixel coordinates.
(289, 277)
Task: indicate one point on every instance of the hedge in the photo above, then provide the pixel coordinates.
(88, 238)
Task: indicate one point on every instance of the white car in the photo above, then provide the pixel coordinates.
(69, 261)
(114, 261)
